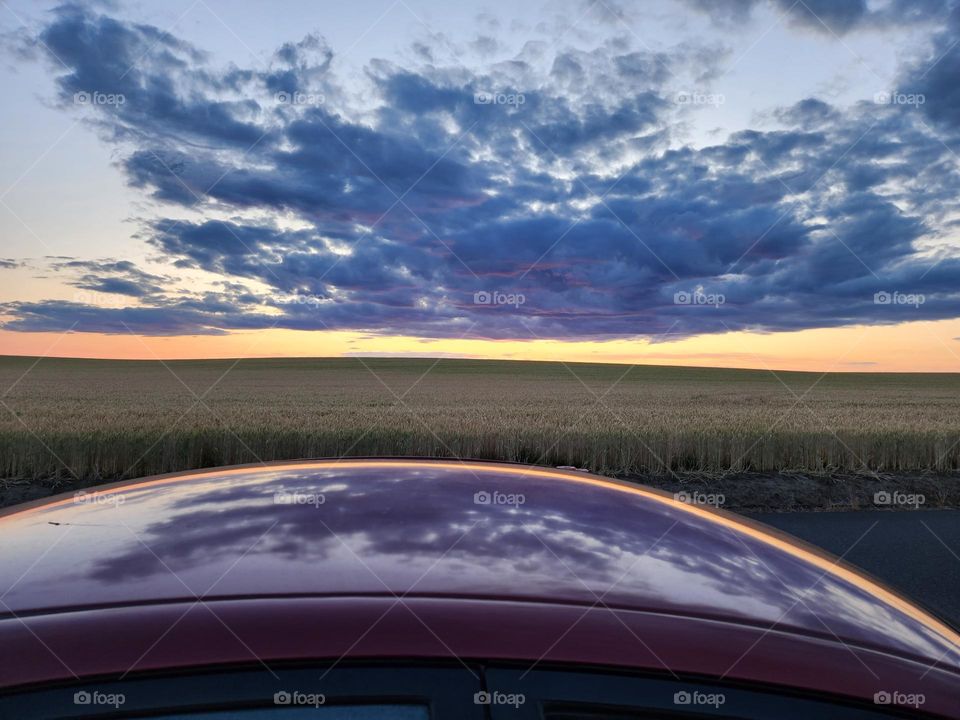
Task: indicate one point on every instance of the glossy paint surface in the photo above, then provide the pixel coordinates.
(421, 529)
(260, 634)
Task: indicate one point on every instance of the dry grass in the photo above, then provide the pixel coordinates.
(112, 419)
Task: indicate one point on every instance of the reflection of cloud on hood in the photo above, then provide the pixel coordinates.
(567, 187)
(420, 529)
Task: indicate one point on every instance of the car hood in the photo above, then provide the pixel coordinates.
(440, 529)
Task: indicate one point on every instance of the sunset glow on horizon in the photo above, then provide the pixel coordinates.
(913, 347)
(573, 181)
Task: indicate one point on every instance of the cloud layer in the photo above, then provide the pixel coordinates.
(509, 202)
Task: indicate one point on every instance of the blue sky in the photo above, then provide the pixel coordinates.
(583, 171)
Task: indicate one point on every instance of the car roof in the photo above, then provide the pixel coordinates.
(440, 529)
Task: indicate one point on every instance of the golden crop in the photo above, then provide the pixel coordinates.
(113, 419)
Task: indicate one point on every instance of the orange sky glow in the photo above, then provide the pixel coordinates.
(909, 347)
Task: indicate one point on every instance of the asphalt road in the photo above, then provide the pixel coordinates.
(914, 552)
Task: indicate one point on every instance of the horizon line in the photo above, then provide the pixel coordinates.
(439, 357)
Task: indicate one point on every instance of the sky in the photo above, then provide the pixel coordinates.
(742, 183)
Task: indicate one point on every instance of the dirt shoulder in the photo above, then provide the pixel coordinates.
(739, 492)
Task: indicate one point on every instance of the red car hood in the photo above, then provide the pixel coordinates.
(440, 529)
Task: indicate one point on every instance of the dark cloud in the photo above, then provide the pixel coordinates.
(120, 277)
(60, 316)
(829, 17)
(808, 113)
(503, 204)
(146, 80)
(934, 78)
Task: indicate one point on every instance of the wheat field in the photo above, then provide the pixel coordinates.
(99, 420)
